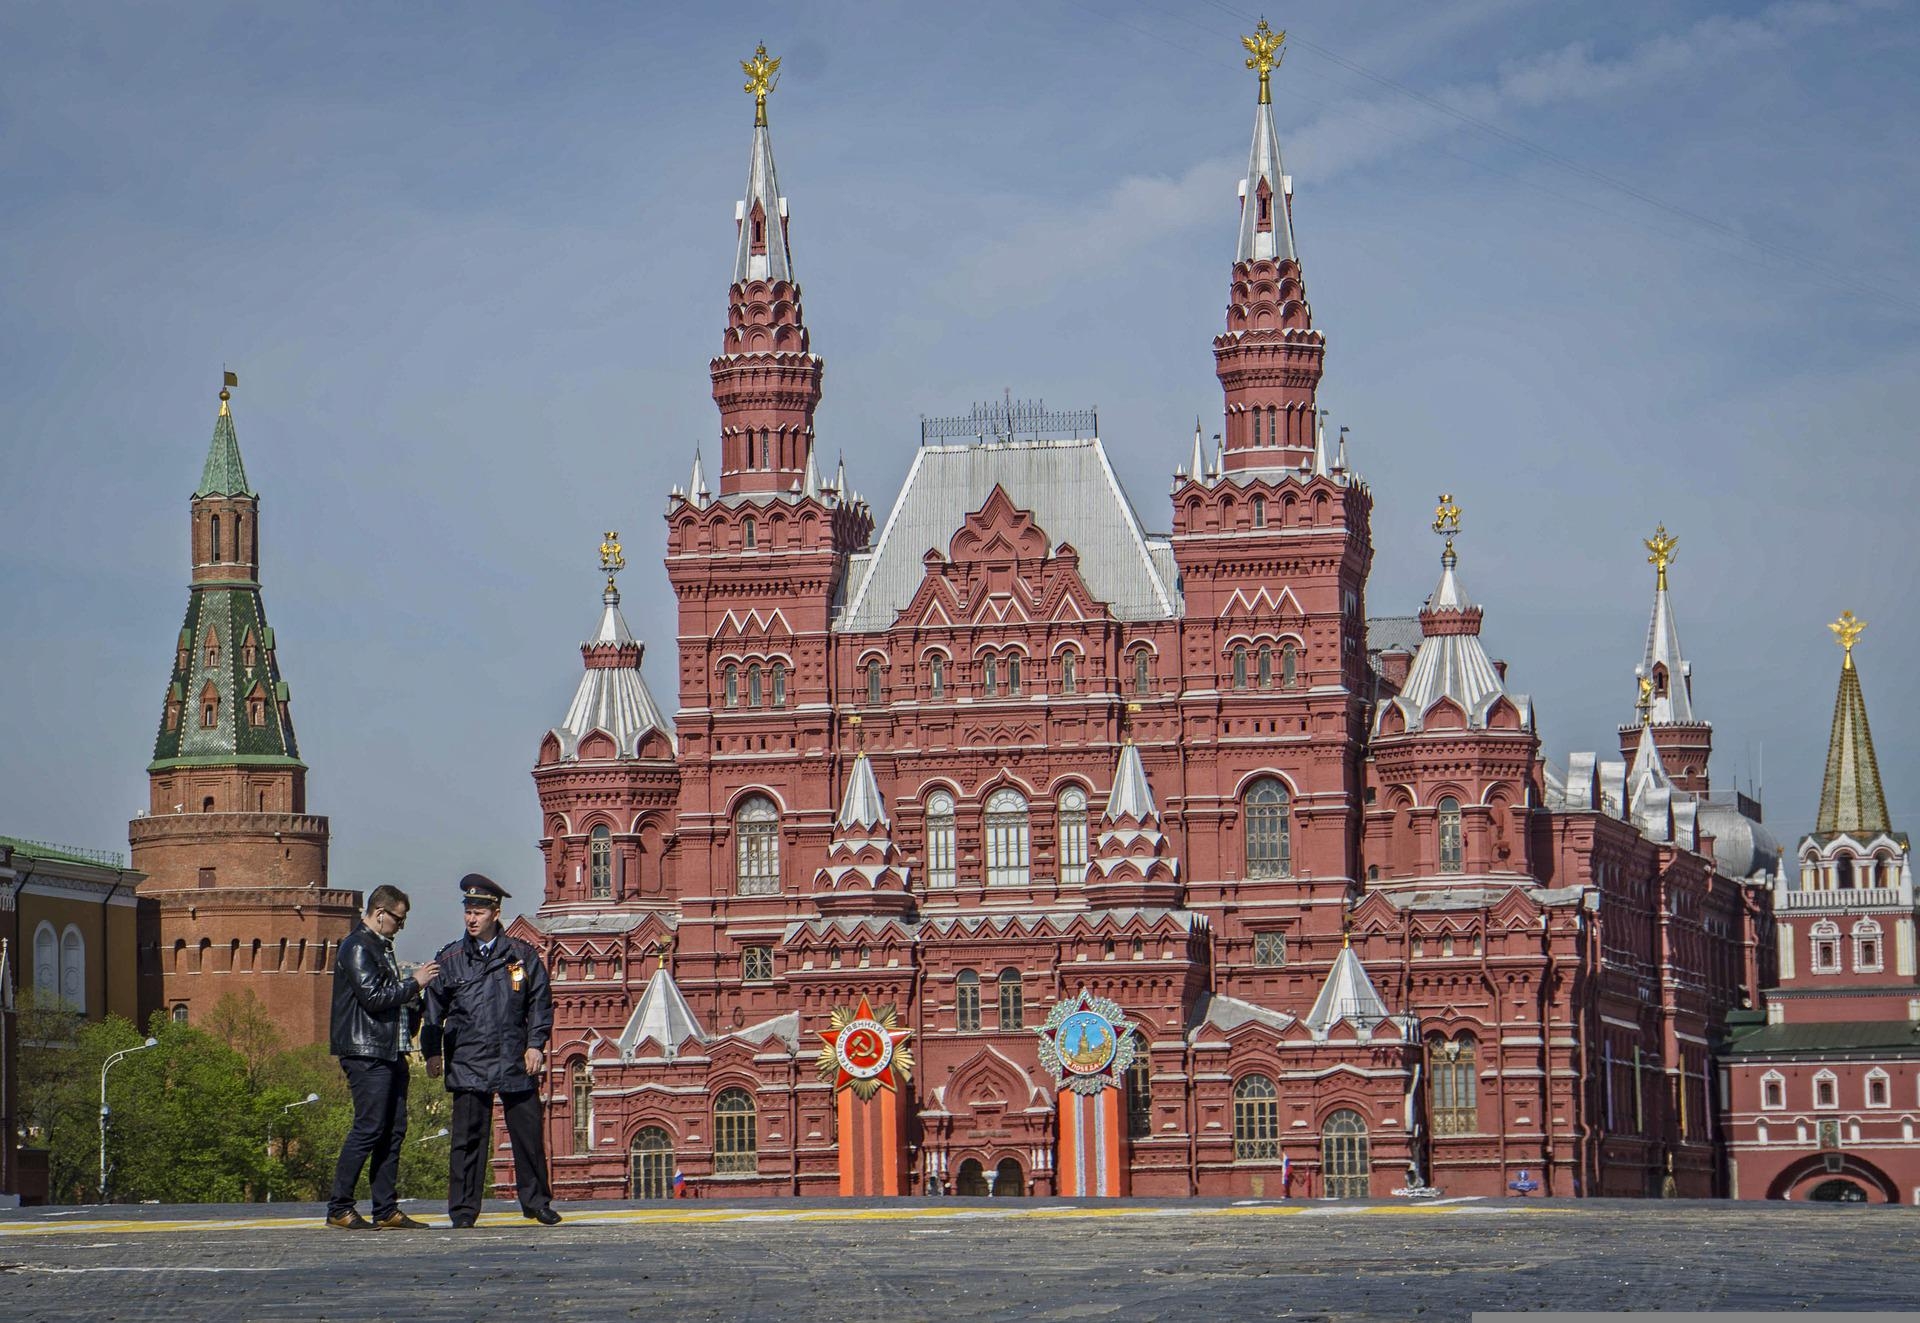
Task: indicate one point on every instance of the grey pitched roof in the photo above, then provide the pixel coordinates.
(1132, 796)
(614, 699)
(1893, 1037)
(1263, 163)
(1348, 995)
(1452, 664)
(1393, 633)
(862, 806)
(662, 1018)
(1075, 497)
(1223, 1012)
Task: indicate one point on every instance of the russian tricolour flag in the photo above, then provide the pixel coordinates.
(1286, 1174)
(679, 1185)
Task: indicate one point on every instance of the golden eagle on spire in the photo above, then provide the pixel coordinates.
(1264, 56)
(1846, 632)
(1660, 552)
(763, 75)
(612, 560)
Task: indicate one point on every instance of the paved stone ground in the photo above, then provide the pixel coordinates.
(955, 1259)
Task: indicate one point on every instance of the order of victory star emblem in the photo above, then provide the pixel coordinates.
(865, 1050)
(1086, 1043)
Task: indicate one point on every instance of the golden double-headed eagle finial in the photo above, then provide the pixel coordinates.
(611, 558)
(1646, 701)
(763, 75)
(1446, 520)
(1660, 553)
(1846, 632)
(1264, 56)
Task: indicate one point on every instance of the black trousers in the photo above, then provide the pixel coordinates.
(471, 1137)
(379, 1130)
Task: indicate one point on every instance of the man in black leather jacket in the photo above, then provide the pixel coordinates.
(373, 1017)
(490, 1012)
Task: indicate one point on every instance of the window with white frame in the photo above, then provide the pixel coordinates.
(1073, 833)
(600, 863)
(1826, 947)
(1773, 1091)
(1879, 1089)
(756, 849)
(940, 833)
(46, 964)
(1866, 946)
(73, 970)
(936, 676)
(1009, 839)
(1826, 1090)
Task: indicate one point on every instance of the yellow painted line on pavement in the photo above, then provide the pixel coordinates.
(697, 1217)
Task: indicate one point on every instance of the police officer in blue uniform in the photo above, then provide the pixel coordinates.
(488, 1017)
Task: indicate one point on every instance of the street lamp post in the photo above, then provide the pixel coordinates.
(441, 1133)
(107, 1066)
(310, 1098)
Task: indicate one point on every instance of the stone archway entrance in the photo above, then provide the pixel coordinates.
(971, 1180)
(1009, 1182)
(1840, 1190)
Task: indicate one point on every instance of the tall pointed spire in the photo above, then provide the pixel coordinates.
(1851, 799)
(1665, 680)
(1270, 358)
(224, 474)
(863, 873)
(766, 380)
(1132, 861)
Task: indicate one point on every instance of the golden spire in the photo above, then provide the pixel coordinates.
(763, 75)
(1264, 56)
(611, 559)
(1446, 521)
(1660, 548)
(1846, 632)
(228, 380)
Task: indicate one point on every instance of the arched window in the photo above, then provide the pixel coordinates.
(1256, 1119)
(756, 850)
(1012, 1004)
(1866, 946)
(1013, 673)
(1259, 512)
(779, 685)
(1073, 834)
(1452, 1073)
(1877, 1094)
(1826, 1089)
(750, 533)
(1452, 850)
(1142, 671)
(1773, 1090)
(1345, 1168)
(1266, 666)
(651, 1164)
(209, 706)
(213, 647)
(1844, 869)
(1659, 682)
(874, 693)
(1239, 668)
(1008, 840)
(1069, 672)
(580, 1090)
(937, 676)
(73, 970)
(1826, 947)
(732, 674)
(46, 964)
(1140, 1098)
(966, 1001)
(755, 694)
(1289, 666)
(1269, 829)
(216, 539)
(766, 449)
(600, 863)
(180, 1013)
(736, 1136)
(989, 676)
(940, 833)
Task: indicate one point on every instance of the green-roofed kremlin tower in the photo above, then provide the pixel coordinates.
(236, 867)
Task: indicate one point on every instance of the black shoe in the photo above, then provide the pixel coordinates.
(348, 1221)
(546, 1217)
(398, 1221)
(462, 1223)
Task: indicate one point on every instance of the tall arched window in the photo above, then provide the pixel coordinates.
(736, 1136)
(1345, 1168)
(1140, 1098)
(1256, 1119)
(1012, 1003)
(73, 970)
(874, 693)
(1289, 666)
(1239, 668)
(750, 533)
(216, 539)
(600, 863)
(46, 963)
(580, 1091)
(1073, 834)
(213, 647)
(1269, 829)
(1008, 839)
(1013, 673)
(732, 676)
(966, 1001)
(1069, 672)
(990, 676)
(1142, 671)
(937, 676)
(1453, 1072)
(1259, 512)
(755, 694)
(756, 850)
(1266, 666)
(779, 685)
(1452, 850)
(651, 1164)
(940, 833)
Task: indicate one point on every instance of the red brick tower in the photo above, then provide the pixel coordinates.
(236, 867)
(1665, 677)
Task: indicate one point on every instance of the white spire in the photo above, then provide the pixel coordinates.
(1348, 995)
(697, 483)
(1268, 236)
(1675, 706)
(1340, 459)
(762, 217)
(810, 478)
(1132, 797)
(862, 807)
(662, 1018)
(1199, 469)
(1320, 443)
(840, 477)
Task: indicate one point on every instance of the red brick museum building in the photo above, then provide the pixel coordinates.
(1004, 744)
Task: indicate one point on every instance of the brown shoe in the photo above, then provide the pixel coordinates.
(348, 1221)
(398, 1221)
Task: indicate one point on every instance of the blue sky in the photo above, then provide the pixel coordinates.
(1587, 269)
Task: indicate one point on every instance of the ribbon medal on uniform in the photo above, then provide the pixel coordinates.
(516, 971)
(865, 1051)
